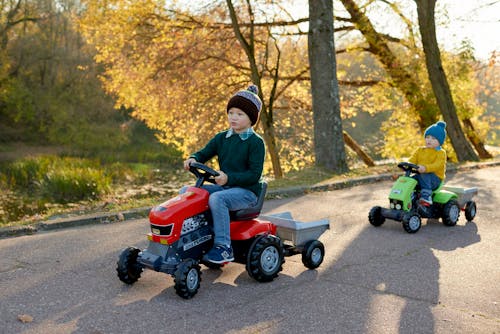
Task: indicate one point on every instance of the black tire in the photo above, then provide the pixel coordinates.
(451, 213)
(313, 254)
(412, 222)
(187, 278)
(470, 210)
(375, 216)
(265, 258)
(128, 269)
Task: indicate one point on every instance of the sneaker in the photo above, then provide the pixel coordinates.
(426, 201)
(219, 254)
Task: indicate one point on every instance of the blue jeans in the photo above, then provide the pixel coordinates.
(428, 182)
(221, 201)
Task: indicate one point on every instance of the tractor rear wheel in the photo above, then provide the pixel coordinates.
(451, 213)
(265, 258)
(128, 269)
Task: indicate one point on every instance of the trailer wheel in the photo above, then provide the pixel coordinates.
(375, 216)
(313, 254)
(265, 258)
(127, 267)
(412, 222)
(451, 213)
(470, 210)
(187, 278)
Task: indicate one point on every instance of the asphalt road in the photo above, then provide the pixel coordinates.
(373, 280)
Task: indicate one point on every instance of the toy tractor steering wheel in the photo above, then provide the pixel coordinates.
(409, 168)
(203, 173)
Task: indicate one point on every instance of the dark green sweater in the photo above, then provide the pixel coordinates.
(241, 160)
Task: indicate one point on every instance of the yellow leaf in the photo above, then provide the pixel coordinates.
(25, 318)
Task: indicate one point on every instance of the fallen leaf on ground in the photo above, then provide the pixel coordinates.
(25, 318)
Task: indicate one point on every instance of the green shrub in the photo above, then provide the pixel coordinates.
(25, 174)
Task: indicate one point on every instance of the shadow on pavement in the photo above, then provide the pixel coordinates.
(401, 271)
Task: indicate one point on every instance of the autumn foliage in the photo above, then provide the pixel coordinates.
(176, 70)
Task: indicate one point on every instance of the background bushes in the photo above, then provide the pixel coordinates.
(55, 179)
(50, 184)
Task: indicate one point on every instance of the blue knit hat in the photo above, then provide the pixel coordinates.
(438, 131)
(248, 101)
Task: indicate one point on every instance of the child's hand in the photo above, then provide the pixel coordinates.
(221, 179)
(188, 162)
(421, 169)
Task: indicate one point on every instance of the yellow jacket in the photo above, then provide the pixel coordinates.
(433, 160)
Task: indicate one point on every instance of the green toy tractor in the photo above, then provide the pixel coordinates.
(404, 203)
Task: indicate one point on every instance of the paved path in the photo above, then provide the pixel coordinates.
(374, 280)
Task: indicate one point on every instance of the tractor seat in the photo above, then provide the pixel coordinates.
(253, 211)
(417, 187)
(439, 187)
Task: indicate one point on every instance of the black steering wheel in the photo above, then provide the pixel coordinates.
(203, 173)
(409, 168)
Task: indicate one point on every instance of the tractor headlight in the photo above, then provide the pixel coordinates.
(398, 206)
(163, 230)
(392, 205)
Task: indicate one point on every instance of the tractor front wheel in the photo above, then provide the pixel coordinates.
(187, 278)
(412, 222)
(265, 258)
(375, 216)
(128, 269)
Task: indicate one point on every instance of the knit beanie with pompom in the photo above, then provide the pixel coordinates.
(438, 131)
(248, 101)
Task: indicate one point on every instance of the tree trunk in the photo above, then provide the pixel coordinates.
(402, 79)
(406, 83)
(358, 149)
(474, 139)
(328, 139)
(437, 77)
(270, 140)
(265, 118)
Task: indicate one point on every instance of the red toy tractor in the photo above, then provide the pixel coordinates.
(181, 233)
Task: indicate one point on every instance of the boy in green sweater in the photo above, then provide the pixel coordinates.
(431, 161)
(240, 153)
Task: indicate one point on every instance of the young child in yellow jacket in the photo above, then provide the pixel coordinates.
(431, 161)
